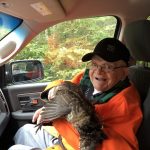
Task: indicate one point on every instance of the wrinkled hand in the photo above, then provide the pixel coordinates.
(37, 117)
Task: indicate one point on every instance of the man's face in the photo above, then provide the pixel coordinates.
(104, 75)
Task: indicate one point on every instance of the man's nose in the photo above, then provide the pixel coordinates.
(99, 69)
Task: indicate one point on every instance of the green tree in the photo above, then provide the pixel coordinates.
(62, 46)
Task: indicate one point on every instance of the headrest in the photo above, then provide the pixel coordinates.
(137, 39)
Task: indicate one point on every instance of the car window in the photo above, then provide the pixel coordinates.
(62, 46)
(7, 24)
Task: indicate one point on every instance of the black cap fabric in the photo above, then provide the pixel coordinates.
(110, 49)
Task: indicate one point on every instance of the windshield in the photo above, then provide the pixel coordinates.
(62, 46)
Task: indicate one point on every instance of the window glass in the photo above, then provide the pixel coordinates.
(148, 18)
(62, 46)
(7, 24)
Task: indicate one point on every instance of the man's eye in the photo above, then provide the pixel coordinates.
(109, 67)
(92, 64)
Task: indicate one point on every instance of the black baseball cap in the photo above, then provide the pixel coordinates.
(110, 49)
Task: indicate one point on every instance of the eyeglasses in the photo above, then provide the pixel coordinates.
(104, 68)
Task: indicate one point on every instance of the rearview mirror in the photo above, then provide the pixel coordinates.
(24, 71)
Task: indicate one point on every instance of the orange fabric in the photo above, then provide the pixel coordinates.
(76, 79)
(66, 130)
(120, 116)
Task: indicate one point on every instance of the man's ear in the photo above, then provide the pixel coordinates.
(125, 71)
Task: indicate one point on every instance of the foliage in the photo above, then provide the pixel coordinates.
(61, 47)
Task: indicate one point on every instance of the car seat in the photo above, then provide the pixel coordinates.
(137, 39)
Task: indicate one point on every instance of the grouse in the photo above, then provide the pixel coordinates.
(69, 102)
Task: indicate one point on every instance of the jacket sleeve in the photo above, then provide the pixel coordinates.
(77, 78)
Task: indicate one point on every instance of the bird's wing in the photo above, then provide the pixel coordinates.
(55, 108)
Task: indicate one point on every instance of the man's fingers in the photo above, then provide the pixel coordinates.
(36, 115)
(39, 119)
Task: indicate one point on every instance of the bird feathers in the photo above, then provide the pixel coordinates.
(69, 102)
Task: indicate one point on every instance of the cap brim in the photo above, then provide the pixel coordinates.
(87, 57)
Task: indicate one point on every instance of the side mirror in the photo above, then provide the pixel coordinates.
(24, 71)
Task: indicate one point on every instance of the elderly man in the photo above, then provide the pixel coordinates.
(106, 85)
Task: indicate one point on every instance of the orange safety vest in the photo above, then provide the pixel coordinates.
(121, 117)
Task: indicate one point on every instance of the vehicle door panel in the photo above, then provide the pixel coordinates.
(24, 99)
(4, 113)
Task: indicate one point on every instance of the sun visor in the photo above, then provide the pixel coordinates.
(40, 11)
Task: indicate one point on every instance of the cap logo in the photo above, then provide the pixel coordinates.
(110, 48)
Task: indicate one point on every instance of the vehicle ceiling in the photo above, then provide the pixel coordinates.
(68, 9)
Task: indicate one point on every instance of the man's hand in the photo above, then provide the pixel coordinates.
(37, 117)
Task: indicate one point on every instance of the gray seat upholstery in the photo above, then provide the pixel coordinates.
(140, 76)
(144, 131)
(137, 39)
